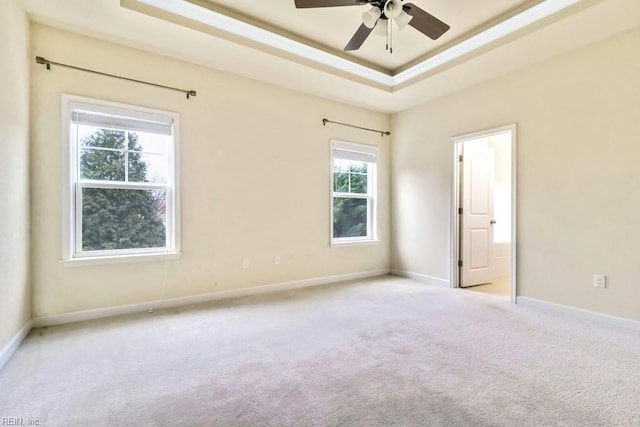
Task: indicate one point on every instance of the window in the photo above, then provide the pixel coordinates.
(122, 193)
(353, 202)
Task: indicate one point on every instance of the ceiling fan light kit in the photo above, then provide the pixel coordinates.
(403, 20)
(393, 8)
(370, 17)
(378, 19)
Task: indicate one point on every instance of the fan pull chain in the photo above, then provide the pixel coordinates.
(387, 47)
(390, 36)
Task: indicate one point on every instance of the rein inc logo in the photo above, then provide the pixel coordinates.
(20, 421)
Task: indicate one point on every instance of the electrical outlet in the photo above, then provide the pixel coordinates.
(276, 260)
(245, 263)
(599, 281)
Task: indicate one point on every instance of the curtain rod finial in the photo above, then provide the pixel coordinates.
(41, 60)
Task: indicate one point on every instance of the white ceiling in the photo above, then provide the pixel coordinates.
(587, 22)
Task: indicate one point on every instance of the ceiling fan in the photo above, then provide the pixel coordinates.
(378, 19)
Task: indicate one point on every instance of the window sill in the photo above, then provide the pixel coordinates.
(119, 259)
(340, 244)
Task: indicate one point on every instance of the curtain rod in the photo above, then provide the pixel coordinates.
(41, 60)
(381, 132)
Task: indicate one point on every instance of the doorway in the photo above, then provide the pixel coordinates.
(483, 238)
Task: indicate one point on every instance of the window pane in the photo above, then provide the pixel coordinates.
(102, 164)
(341, 182)
(350, 176)
(341, 165)
(349, 217)
(358, 167)
(123, 219)
(148, 157)
(358, 183)
(149, 142)
(91, 136)
(145, 167)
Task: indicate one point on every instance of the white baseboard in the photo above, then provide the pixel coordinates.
(423, 278)
(11, 347)
(80, 316)
(579, 313)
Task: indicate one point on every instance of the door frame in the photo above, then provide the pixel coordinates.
(455, 200)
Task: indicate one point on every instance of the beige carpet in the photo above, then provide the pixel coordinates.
(383, 352)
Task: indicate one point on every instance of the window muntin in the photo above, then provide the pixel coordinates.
(122, 180)
(353, 192)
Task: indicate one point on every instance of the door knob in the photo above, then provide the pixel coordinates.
(493, 221)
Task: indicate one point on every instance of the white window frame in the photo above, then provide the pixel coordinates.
(371, 155)
(73, 185)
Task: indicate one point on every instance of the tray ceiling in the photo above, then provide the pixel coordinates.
(330, 28)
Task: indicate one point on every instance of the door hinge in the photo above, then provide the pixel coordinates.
(459, 211)
(459, 263)
(460, 158)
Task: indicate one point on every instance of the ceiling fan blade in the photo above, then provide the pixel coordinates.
(424, 22)
(303, 4)
(358, 38)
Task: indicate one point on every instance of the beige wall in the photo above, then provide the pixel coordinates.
(255, 179)
(15, 297)
(578, 121)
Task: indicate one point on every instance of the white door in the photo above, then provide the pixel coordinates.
(476, 238)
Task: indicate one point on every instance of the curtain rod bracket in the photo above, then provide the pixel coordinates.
(47, 63)
(381, 132)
